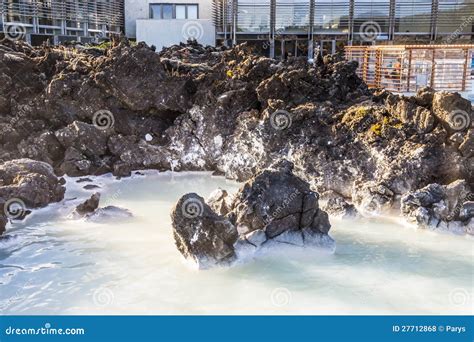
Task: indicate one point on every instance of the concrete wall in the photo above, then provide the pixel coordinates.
(168, 32)
(140, 9)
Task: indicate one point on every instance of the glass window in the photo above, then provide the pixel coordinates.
(155, 11)
(254, 16)
(292, 14)
(180, 11)
(167, 11)
(192, 11)
(412, 16)
(173, 11)
(371, 18)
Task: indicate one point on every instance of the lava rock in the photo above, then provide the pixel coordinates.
(275, 207)
(276, 200)
(337, 206)
(440, 207)
(201, 234)
(220, 201)
(90, 187)
(86, 138)
(30, 183)
(453, 111)
(409, 112)
(372, 198)
(89, 206)
(122, 169)
(466, 147)
(3, 218)
(109, 214)
(467, 210)
(84, 180)
(232, 112)
(3, 224)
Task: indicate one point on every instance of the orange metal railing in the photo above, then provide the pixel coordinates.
(406, 68)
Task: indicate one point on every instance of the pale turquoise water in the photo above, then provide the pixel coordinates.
(54, 265)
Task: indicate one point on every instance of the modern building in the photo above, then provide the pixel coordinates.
(295, 26)
(400, 45)
(57, 21)
(164, 23)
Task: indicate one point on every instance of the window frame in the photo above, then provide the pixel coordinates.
(186, 4)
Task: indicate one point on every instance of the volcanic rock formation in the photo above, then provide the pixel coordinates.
(441, 207)
(273, 208)
(85, 111)
(25, 183)
(31, 182)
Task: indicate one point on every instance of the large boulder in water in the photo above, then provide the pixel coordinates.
(275, 207)
(28, 183)
(88, 206)
(201, 234)
(276, 201)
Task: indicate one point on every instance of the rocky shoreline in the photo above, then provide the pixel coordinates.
(81, 111)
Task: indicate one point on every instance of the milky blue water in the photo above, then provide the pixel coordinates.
(52, 264)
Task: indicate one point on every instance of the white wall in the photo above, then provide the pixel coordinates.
(140, 9)
(168, 32)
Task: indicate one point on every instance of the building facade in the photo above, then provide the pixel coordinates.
(57, 21)
(293, 26)
(168, 22)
